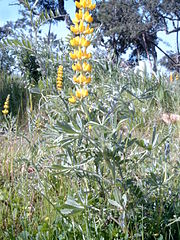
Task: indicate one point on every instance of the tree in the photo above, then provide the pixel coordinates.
(167, 15)
(134, 24)
(123, 26)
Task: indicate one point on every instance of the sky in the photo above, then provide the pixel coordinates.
(9, 12)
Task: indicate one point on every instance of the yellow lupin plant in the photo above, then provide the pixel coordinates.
(5, 111)
(59, 79)
(80, 43)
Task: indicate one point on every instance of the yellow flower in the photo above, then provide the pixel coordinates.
(78, 17)
(85, 4)
(72, 99)
(81, 79)
(79, 54)
(87, 67)
(81, 27)
(81, 42)
(75, 29)
(90, 127)
(73, 56)
(88, 17)
(88, 80)
(88, 30)
(81, 93)
(5, 111)
(92, 6)
(84, 42)
(6, 105)
(77, 67)
(90, 109)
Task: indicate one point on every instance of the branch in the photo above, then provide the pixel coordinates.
(173, 31)
(163, 52)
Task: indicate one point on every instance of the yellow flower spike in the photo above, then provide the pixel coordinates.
(5, 111)
(72, 99)
(171, 77)
(81, 93)
(59, 79)
(80, 43)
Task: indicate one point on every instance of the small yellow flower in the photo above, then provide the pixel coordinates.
(85, 4)
(90, 109)
(88, 18)
(46, 219)
(79, 54)
(75, 29)
(81, 79)
(87, 67)
(77, 67)
(88, 30)
(81, 26)
(5, 111)
(72, 99)
(81, 93)
(90, 127)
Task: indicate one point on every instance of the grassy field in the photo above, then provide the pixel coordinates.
(106, 167)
